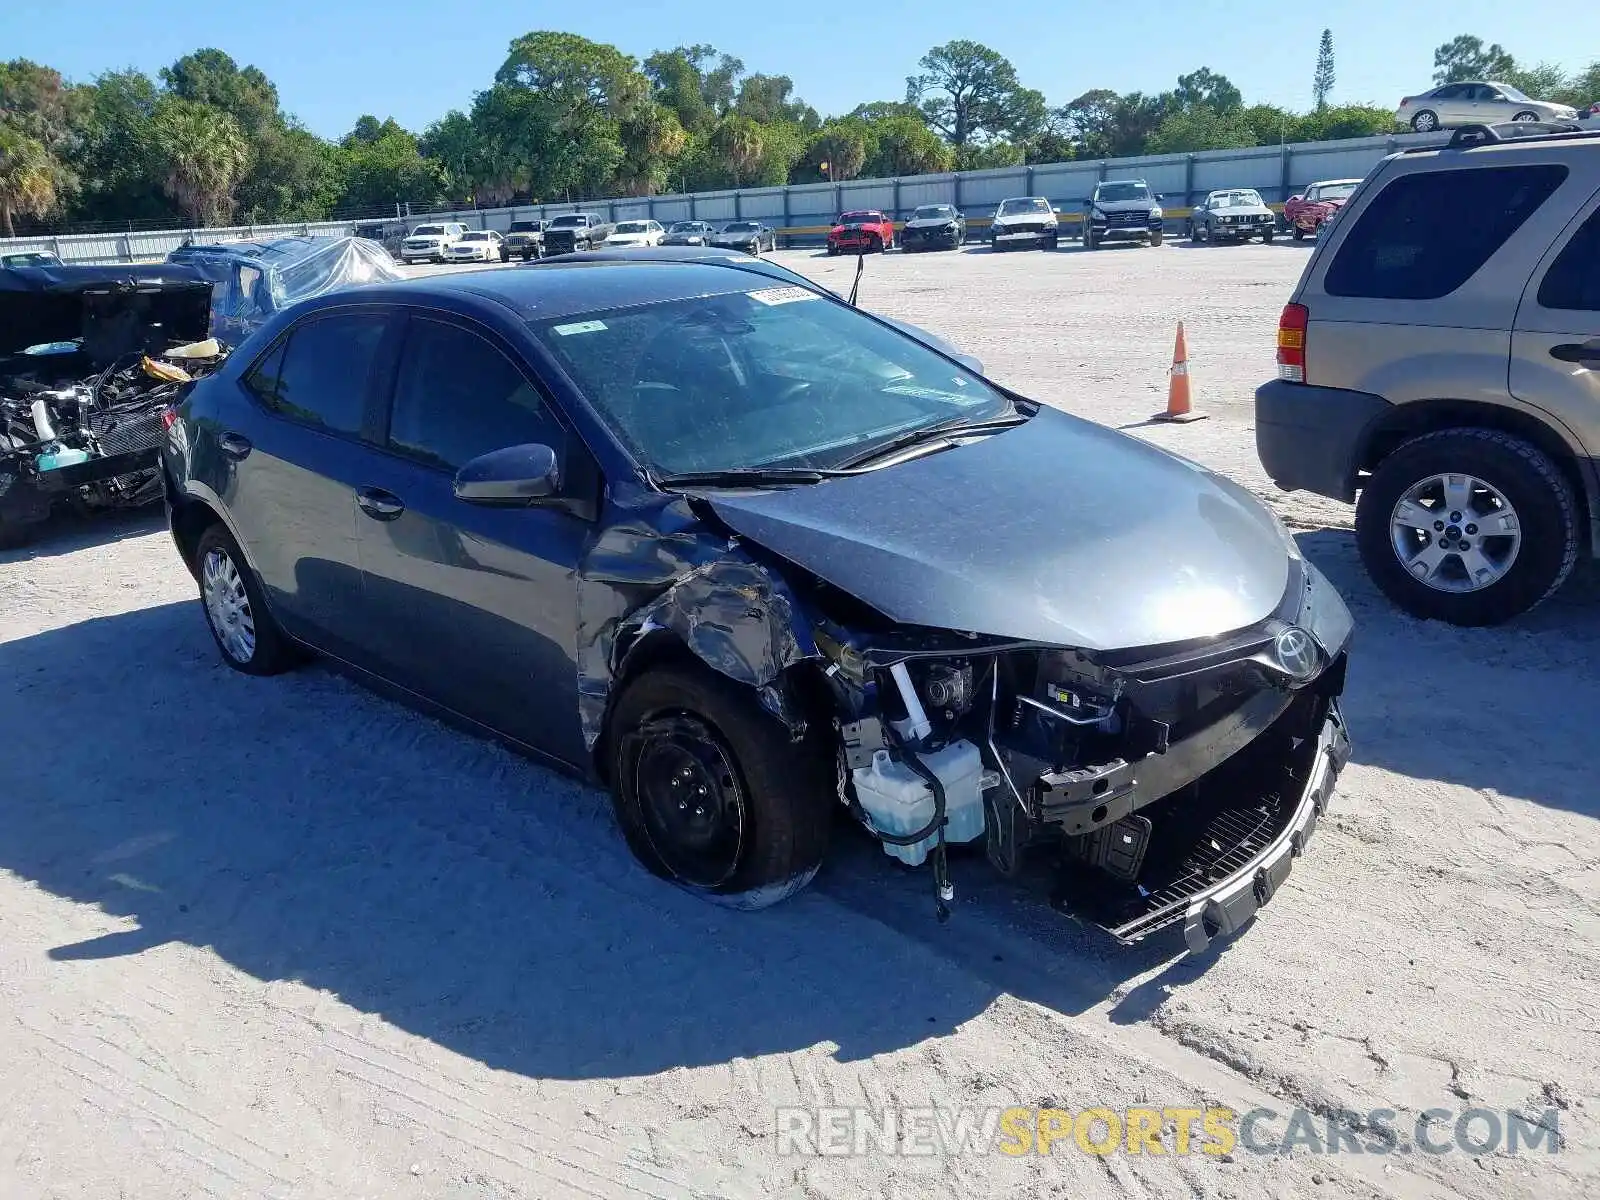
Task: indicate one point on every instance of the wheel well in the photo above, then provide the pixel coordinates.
(190, 519)
(1406, 421)
(806, 689)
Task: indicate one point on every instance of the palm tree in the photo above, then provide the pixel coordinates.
(203, 155)
(738, 140)
(27, 178)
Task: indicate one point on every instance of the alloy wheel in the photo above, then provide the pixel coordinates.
(1455, 533)
(228, 605)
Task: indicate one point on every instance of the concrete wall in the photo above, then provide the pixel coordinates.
(804, 211)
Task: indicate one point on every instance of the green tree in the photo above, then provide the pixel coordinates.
(970, 93)
(676, 83)
(1322, 78)
(768, 100)
(838, 151)
(294, 176)
(27, 178)
(652, 141)
(116, 157)
(1542, 82)
(738, 142)
(906, 146)
(1466, 57)
(211, 77)
(1201, 128)
(388, 170)
(990, 156)
(203, 156)
(1206, 89)
(1344, 121)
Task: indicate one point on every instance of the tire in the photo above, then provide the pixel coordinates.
(1052, 243)
(1526, 116)
(1426, 121)
(527, 256)
(1194, 233)
(833, 252)
(1297, 233)
(775, 798)
(1266, 238)
(1157, 238)
(1088, 239)
(269, 650)
(1526, 478)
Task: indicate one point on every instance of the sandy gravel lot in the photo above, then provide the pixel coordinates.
(281, 938)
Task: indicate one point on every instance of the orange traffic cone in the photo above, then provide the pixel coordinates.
(1178, 400)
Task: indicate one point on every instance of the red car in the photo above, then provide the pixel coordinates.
(866, 231)
(1316, 206)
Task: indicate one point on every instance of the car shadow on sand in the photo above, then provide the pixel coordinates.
(1510, 710)
(304, 829)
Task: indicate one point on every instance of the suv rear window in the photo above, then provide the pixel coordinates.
(1426, 234)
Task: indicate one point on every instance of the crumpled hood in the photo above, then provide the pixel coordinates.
(1057, 531)
(930, 222)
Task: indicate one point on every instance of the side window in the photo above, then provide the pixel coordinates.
(1426, 234)
(1573, 280)
(457, 397)
(318, 373)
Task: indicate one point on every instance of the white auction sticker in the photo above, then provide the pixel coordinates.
(580, 327)
(782, 295)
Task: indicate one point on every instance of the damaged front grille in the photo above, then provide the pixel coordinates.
(125, 432)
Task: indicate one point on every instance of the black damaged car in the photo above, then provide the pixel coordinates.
(934, 227)
(753, 557)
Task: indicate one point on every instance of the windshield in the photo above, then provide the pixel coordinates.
(687, 227)
(740, 227)
(1027, 204)
(932, 212)
(425, 230)
(1335, 191)
(633, 227)
(36, 259)
(569, 222)
(524, 227)
(475, 237)
(1122, 191)
(1240, 199)
(777, 376)
(860, 218)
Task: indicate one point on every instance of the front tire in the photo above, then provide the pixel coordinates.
(1468, 526)
(247, 637)
(1526, 116)
(711, 792)
(1297, 232)
(1157, 238)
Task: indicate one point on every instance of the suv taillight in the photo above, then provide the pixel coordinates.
(1292, 342)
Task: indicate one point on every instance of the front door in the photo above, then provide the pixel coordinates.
(474, 608)
(289, 458)
(1555, 347)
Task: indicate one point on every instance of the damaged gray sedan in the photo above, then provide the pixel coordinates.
(754, 558)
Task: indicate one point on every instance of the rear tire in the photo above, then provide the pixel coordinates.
(1426, 121)
(247, 637)
(683, 737)
(1528, 481)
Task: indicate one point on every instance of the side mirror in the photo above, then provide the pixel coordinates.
(513, 477)
(974, 365)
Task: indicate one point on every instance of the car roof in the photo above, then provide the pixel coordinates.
(564, 286)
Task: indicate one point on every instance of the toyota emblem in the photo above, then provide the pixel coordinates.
(1296, 652)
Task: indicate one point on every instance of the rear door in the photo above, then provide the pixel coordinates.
(293, 453)
(1555, 347)
(473, 608)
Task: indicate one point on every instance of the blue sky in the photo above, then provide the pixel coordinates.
(336, 59)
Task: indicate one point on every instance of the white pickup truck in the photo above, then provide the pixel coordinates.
(427, 243)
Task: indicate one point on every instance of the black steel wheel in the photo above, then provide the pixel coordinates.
(710, 790)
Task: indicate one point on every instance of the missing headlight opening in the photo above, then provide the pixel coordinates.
(1137, 786)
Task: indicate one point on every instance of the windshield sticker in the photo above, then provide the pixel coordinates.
(928, 393)
(782, 295)
(580, 327)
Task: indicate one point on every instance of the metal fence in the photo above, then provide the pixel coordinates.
(802, 212)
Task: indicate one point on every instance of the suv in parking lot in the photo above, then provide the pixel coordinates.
(1439, 363)
(1122, 210)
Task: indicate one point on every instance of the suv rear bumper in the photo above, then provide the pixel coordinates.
(1308, 438)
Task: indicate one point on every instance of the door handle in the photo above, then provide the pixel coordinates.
(379, 504)
(1585, 354)
(234, 445)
